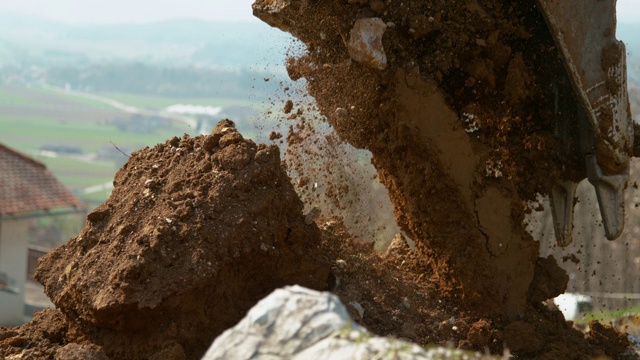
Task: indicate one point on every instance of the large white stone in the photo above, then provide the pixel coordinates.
(301, 324)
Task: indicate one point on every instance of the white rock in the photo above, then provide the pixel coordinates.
(281, 325)
(295, 323)
(365, 43)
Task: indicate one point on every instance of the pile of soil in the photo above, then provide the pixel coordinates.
(195, 232)
(395, 293)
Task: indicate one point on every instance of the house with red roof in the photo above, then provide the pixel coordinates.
(27, 190)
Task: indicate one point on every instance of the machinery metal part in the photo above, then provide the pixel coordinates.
(610, 193)
(595, 61)
(563, 194)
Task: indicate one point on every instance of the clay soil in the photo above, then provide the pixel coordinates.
(199, 229)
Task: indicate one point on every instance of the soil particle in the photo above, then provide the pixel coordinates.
(275, 136)
(612, 343)
(80, 352)
(521, 337)
(549, 280)
(480, 334)
(288, 106)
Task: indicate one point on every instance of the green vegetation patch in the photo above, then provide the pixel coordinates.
(606, 317)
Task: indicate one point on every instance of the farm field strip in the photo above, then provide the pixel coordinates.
(158, 103)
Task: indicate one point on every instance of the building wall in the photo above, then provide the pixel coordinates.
(13, 262)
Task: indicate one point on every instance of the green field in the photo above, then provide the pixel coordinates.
(32, 117)
(606, 317)
(78, 100)
(158, 103)
(30, 132)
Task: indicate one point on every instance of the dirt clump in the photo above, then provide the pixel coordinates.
(196, 231)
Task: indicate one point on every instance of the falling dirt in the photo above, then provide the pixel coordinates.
(460, 124)
(456, 101)
(457, 186)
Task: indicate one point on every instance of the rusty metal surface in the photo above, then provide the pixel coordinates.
(584, 31)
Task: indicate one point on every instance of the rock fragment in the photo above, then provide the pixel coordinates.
(80, 352)
(365, 43)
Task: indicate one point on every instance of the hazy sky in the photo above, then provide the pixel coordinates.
(119, 11)
(113, 11)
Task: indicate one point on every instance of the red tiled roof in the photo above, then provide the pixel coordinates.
(26, 185)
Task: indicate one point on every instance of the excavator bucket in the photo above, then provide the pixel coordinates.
(584, 32)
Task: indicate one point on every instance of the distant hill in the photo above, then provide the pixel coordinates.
(173, 42)
(85, 55)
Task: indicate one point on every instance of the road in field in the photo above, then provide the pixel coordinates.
(124, 107)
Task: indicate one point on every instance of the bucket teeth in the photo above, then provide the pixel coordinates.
(610, 193)
(562, 201)
(596, 65)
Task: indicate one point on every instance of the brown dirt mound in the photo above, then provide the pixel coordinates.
(195, 232)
